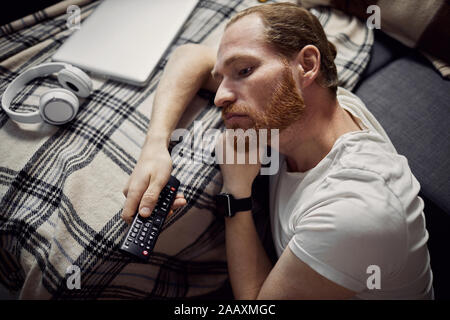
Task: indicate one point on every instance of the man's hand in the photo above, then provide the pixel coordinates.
(237, 177)
(150, 175)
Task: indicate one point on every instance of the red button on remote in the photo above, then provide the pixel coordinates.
(172, 188)
(145, 252)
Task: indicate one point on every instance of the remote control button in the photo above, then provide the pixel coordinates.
(141, 244)
(127, 244)
(158, 221)
(147, 247)
(130, 239)
(147, 224)
(133, 234)
(135, 229)
(155, 229)
(141, 238)
(145, 229)
(145, 253)
(136, 242)
(153, 233)
(143, 233)
(172, 188)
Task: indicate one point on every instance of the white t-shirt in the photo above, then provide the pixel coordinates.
(356, 218)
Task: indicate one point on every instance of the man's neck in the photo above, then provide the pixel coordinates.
(308, 141)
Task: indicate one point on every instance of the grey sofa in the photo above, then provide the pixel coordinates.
(411, 100)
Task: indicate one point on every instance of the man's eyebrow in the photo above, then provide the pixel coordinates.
(214, 74)
(229, 61)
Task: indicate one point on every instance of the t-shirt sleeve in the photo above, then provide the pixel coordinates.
(353, 225)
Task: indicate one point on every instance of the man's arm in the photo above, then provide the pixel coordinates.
(248, 263)
(188, 70)
(252, 275)
(291, 278)
(249, 267)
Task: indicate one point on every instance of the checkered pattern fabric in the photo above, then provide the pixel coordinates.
(61, 187)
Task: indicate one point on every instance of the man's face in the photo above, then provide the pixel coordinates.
(257, 89)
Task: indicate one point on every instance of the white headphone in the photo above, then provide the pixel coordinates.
(56, 106)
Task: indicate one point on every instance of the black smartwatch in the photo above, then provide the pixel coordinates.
(227, 205)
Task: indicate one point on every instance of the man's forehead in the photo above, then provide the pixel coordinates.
(246, 33)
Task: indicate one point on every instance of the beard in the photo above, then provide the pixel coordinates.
(285, 107)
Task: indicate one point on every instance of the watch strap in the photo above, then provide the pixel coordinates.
(243, 204)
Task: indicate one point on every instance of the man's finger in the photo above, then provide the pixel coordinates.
(131, 203)
(178, 203)
(150, 198)
(179, 196)
(125, 190)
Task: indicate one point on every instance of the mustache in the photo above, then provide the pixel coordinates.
(236, 108)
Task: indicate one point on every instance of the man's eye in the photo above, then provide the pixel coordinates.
(245, 71)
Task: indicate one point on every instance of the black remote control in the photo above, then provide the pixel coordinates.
(143, 233)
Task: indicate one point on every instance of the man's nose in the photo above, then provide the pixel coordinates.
(224, 96)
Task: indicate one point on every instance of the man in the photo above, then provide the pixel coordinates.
(345, 215)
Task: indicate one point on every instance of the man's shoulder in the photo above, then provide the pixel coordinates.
(357, 200)
(364, 184)
(369, 158)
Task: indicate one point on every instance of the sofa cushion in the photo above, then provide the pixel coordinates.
(411, 101)
(384, 50)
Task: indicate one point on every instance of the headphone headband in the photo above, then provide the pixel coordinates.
(20, 81)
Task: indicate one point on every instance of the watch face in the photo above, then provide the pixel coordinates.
(223, 205)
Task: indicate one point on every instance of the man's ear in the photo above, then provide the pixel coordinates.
(308, 63)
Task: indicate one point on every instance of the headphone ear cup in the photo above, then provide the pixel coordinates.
(58, 106)
(75, 80)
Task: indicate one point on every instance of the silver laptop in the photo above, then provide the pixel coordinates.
(125, 40)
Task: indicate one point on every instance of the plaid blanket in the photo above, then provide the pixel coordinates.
(61, 187)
